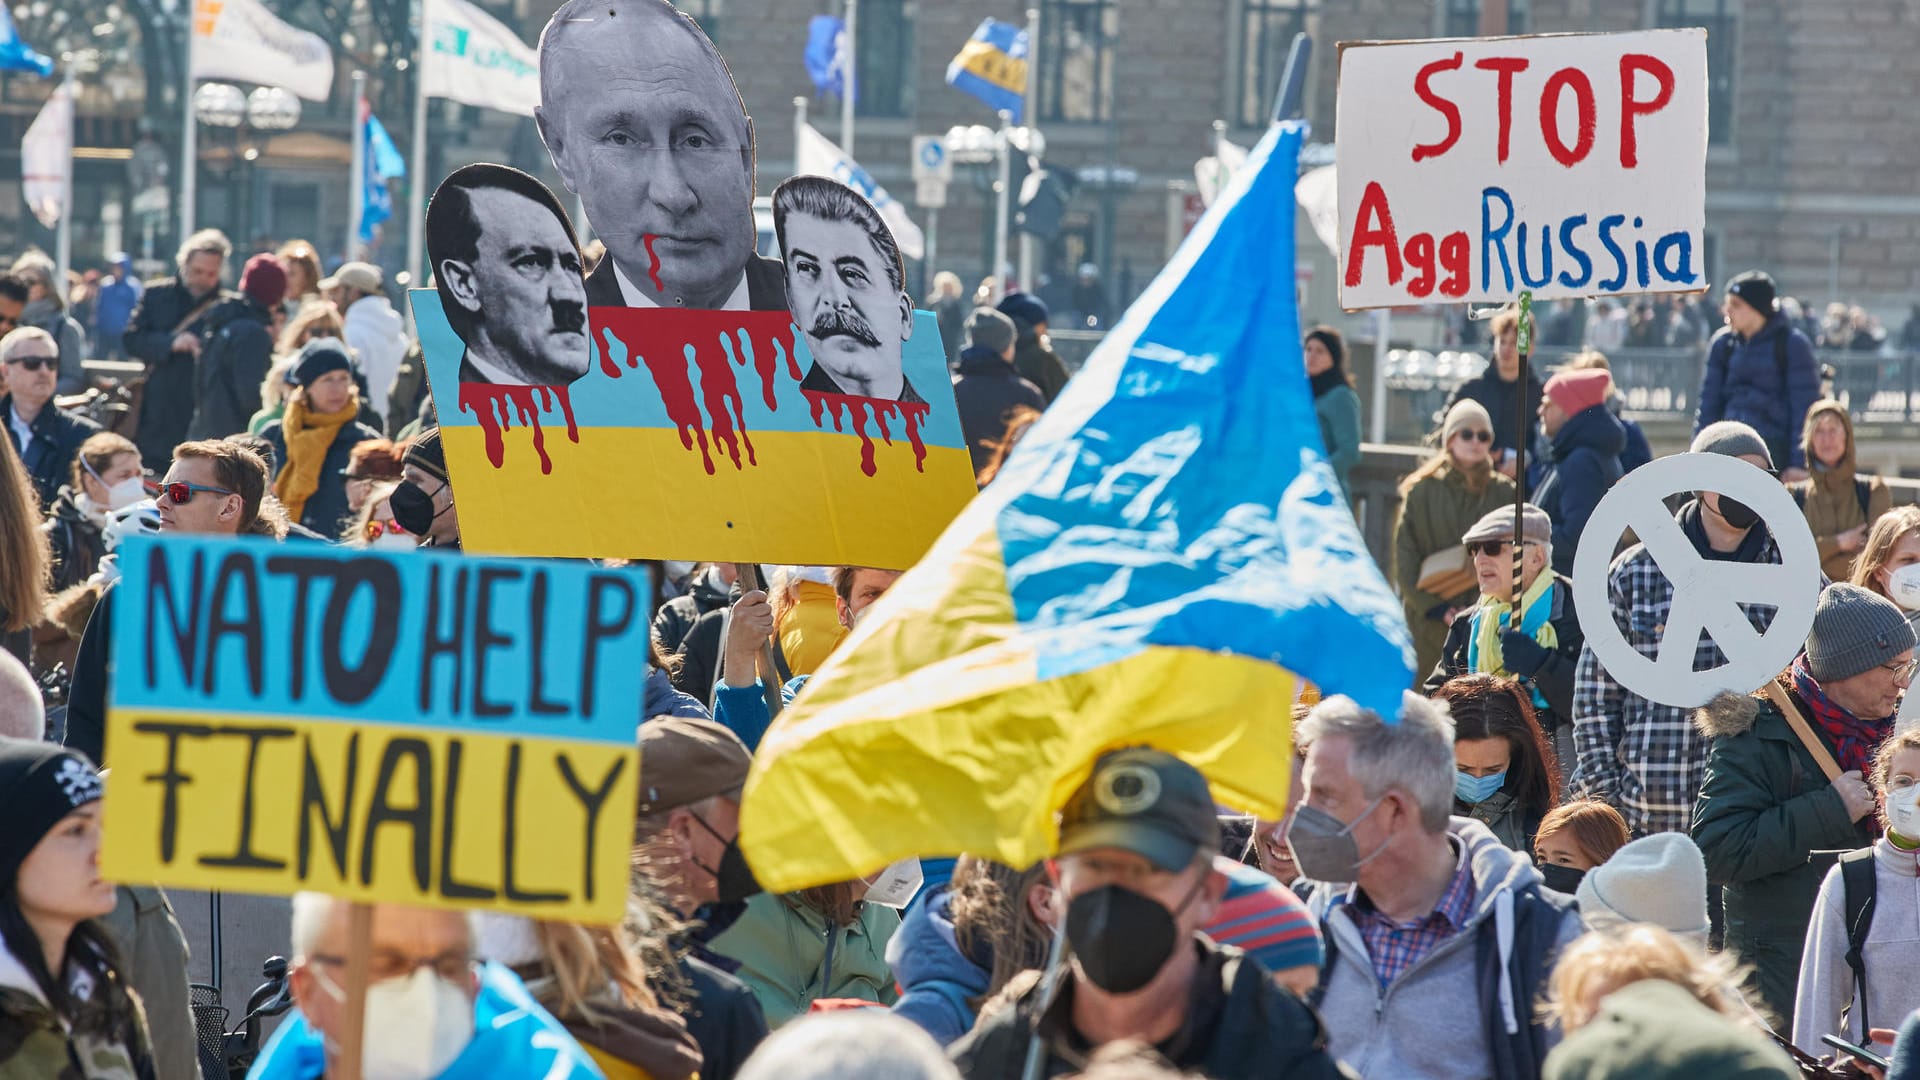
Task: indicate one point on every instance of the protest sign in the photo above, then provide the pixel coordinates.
(1570, 165)
(418, 728)
(1657, 661)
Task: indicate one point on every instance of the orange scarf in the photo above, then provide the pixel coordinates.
(307, 435)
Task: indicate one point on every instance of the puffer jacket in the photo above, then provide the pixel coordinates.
(1584, 461)
(1765, 810)
(938, 979)
(1830, 497)
(1745, 382)
(74, 536)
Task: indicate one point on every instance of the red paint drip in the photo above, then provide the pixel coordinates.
(653, 262)
(494, 407)
(859, 409)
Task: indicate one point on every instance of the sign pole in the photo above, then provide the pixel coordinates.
(354, 1016)
(358, 190)
(417, 183)
(933, 240)
(1382, 343)
(848, 77)
(749, 574)
(799, 130)
(1000, 208)
(189, 138)
(1027, 109)
(1520, 451)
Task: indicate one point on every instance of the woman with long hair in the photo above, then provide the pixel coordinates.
(46, 308)
(65, 1006)
(303, 276)
(313, 443)
(1504, 772)
(1335, 401)
(105, 476)
(1439, 502)
(1888, 558)
(23, 556)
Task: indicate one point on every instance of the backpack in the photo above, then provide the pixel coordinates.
(1858, 885)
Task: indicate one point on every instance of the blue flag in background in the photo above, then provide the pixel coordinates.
(16, 55)
(384, 163)
(992, 66)
(827, 54)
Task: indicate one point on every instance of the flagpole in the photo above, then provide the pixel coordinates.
(63, 237)
(1027, 108)
(849, 77)
(799, 130)
(417, 183)
(189, 138)
(358, 193)
(1000, 211)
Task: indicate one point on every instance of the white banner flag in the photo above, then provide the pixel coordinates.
(1318, 192)
(475, 60)
(243, 41)
(820, 157)
(46, 157)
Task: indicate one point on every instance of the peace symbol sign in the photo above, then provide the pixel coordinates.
(1706, 593)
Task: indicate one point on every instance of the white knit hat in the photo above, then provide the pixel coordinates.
(1659, 879)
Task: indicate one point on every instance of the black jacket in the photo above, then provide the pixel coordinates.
(1497, 398)
(1555, 677)
(87, 693)
(987, 389)
(326, 510)
(57, 436)
(167, 402)
(236, 351)
(1239, 1024)
(766, 285)
(678, 615)
(724, 1017)
(1037, 363)
(1583, 462)
(77, 544)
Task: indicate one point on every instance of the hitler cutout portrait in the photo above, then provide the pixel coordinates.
(507, 267)
(643, 122)
(845, 289)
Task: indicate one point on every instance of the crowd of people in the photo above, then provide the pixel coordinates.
(1530, 871)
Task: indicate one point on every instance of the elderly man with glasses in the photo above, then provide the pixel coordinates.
(1541, 645)
(45, 436)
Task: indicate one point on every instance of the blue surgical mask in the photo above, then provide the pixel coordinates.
(1476, 789)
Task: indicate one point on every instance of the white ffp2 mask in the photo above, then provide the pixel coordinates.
(416, 1026)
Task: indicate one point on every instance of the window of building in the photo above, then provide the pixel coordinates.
(1076, 60)
(1722, 20)
(1267, 28)
(885, 57)
(1461, 18)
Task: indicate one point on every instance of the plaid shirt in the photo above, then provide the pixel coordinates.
(1394, 947)
(1644, 758)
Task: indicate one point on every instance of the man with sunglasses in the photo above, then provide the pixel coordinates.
(45, 437)
(1771, 814)
(1541, 645)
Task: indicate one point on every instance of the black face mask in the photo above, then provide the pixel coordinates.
(413, 508)
(733, 879)
(1562, 879)
(1121, 938)
(1738, 514)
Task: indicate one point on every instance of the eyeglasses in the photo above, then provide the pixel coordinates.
(1476, 436)
(1493, 549)
(1902, 670)
(35, 363)
(182, 492)
(375, 528)
(386, 964)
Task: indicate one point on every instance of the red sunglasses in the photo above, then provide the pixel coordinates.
(182, 492)
(375, 528)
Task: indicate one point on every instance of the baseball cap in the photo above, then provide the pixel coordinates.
(683, 761)
(357, 275)
(1145, 801)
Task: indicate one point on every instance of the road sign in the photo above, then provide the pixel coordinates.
(931, 161)
(930, 192)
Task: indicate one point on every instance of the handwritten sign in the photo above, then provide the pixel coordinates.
(1570, 165)
(423, 729)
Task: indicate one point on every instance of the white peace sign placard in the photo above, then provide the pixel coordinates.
(1706, 593)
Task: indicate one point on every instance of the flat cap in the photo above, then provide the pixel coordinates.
(683, 761)
(1536, 526)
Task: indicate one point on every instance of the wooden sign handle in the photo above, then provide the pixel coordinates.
(763, 662)
(353, 1019)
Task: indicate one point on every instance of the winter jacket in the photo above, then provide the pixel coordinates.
(724, 1018)
(1554, 680)
(114, 305)
(1509, 822)
(512, 1036)
(1339, 413)
(1467, 1008)
(1655, 1030)
(1240, 1025)
(1767, 381)
(68, 336)
(663, 700)
(677, 616)
(1765, 808)
(938, 979)
(73, 535)
(57, 435)
(1584, 461)
(1891, 955)
(1497, 397)
(1035, 360)
(790, 959)
(235, 352)
(1639, 451)
(951, 313)
(988, 389)
(35, 1044)
(1433, 516)
(1830, 498)
(326, 511)
(153, 957)
(378, 336)
(167, 401)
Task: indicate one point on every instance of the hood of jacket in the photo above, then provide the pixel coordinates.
(926, 948)
(15, 976)
(663, 700)
(1497, 869)
(1728, 715)
(1595, 429)
(978, 361)
(42, 311)
(377, 312)
(235, 309)
(1838, 474)
(512, 1036)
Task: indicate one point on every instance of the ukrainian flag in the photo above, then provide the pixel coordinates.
(1165, 549)
(992, 66)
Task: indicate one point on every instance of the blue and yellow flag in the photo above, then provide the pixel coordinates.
(1161, 554)
(992, 66)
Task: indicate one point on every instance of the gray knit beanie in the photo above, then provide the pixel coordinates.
(1731, 438)
(1854, 630)
(988, 329)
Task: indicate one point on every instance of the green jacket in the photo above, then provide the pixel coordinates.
(1339, 412)
(782, 948)
(1433, 516)
(35, 1045)
(1764, 810)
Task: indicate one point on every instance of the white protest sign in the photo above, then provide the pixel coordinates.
(1707, 593)
(1571, 165)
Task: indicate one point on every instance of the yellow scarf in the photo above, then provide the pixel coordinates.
(1492, 618)
(307, 435)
